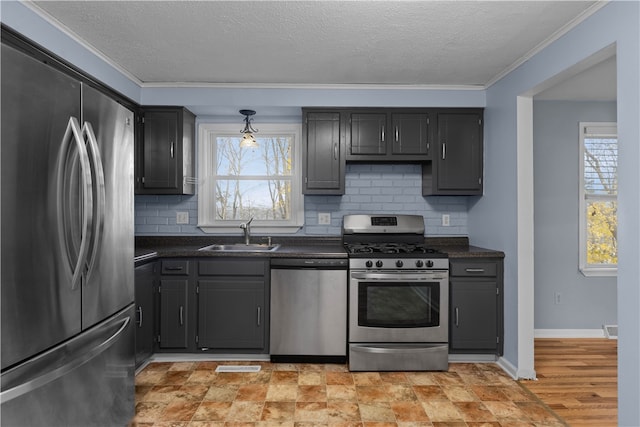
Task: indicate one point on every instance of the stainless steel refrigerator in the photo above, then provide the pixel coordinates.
(67, 250)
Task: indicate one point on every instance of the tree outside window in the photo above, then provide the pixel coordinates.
(599, 221)
(237, 183)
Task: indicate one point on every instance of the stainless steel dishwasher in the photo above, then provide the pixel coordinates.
(308, 310)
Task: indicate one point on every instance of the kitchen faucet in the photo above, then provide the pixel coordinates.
(246, 226)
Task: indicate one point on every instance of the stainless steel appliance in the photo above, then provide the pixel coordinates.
(67, 250)
(308, 309)
(398, 295)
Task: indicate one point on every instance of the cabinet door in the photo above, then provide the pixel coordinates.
(410, 133)
(474, 315)
(368, 134)
(173, 313)
(459, 161)
(231, 313)
(144, 331)
(161, 150)
(323, 153)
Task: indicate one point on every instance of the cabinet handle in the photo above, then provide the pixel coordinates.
(444, 150)
(397, 134)
(259, 309)
(335, 151)
(457, 317)
(474, 270)
(171, 149)
(139, 310)
(383, 133)
(173, 268)
(181, 315)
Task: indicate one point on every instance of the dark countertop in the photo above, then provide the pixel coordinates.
(152, 247)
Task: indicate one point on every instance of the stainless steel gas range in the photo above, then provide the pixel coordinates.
(398, 295)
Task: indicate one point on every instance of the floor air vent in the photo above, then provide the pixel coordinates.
(238, 368)
(611, 331)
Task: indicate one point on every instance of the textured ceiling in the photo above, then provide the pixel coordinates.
(446, 43)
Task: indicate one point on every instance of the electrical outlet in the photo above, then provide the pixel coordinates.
(324, 218)
(445, 220)
(182, 217)
(557, 298)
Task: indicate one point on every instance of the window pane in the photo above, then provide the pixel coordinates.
(260, 199)
(602, 230)
(271, 157)
(600, 165)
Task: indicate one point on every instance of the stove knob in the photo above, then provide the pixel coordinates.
(419, 263)
(429, 263)
(378, 264)
(399, 263)
(369, 264)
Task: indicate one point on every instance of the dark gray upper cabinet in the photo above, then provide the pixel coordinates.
(323, 152)
(410, 134)
(388, 135)
(457, 166)
(368, 134)
(476, 306)
(165, 162)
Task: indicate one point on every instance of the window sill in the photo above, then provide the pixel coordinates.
(255, 230)
(599, 271)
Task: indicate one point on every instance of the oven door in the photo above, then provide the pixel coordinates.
(398, 307)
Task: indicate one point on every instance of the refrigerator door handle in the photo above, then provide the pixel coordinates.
(65, 358)
(74, 133)
(98, 188)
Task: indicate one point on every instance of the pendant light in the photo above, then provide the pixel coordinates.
(248, 140)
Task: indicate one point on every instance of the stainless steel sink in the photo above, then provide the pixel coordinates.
(241, 247)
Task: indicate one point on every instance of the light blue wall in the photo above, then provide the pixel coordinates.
(586, 302)
(383, 188)
(492, 219)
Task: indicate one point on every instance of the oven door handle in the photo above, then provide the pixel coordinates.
(393, 349)
(398, 277)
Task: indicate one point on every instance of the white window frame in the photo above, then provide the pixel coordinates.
(207, 222)
(603, 129)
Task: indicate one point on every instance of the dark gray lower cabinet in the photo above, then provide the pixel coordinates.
(476, 306)
(231, 314)
(175, 310)
(145, 311)
(232, 305)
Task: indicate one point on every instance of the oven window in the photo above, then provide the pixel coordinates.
(398, 305)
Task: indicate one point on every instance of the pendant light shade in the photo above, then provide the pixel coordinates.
(248, 140)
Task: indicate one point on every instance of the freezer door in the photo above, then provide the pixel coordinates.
(108, 281)
(87, 381)
(40, 302)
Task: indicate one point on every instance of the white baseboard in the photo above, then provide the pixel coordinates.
(568, 333)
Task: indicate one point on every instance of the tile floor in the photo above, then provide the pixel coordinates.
(192, 394)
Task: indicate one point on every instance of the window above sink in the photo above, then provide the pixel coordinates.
(237, 183)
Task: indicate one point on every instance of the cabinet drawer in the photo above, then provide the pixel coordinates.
(474, 269)
(175, 267)
(231, 267)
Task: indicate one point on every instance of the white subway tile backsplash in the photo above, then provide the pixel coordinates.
(370, 188)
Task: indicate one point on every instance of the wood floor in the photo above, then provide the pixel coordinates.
(577, 379)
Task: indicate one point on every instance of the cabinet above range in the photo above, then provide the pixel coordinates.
(448, 142)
